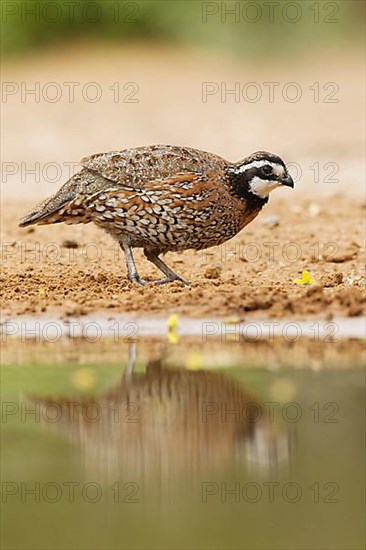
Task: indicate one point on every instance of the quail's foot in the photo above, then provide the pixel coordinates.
(138, 281)
(142, 282)
(172, 280)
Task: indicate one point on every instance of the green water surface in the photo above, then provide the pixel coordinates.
(187, 473)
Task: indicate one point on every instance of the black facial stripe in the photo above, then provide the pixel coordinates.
(248, 175)
(271, 177)
(240, 187)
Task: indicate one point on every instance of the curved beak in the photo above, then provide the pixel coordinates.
(288, 181)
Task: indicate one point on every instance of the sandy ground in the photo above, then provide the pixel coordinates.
(319, 227)
(251, 276)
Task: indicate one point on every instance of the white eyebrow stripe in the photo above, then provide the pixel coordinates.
(258, 164)
(277, 168)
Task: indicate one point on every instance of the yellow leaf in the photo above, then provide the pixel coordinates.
(306, 279)
(172, 322)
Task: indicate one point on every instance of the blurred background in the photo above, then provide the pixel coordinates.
(272, 26)
(81, 77)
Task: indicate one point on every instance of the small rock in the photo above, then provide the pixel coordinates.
(341, 256)
(271, 221)
(314, 210)
(212, 273)
(101, 278)
(111, 304)
(297, 209)
(331, 279)
(68, 243)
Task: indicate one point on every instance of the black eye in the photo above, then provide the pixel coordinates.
(267, 169)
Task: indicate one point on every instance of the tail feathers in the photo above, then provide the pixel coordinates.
(46, 211)
(49, 211)
(38, 217)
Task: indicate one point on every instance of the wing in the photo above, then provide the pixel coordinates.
(182, 202)
(137, 167)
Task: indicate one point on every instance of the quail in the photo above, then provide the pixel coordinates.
(164, 198)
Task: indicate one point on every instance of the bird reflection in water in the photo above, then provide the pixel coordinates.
(169, 422)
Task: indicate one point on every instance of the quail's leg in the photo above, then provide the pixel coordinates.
(130, 262)
(153, 257)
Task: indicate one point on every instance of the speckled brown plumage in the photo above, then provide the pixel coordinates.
(162, 198)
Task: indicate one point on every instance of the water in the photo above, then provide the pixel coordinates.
(184, 446)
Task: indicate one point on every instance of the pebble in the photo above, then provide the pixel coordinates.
(314, 210)
(212, 273)
(297, 209)
(331, 279)
(68, 243)
(271, 221)
(343, 256)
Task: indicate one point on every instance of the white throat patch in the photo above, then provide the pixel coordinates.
(262, 188)
(258, 185)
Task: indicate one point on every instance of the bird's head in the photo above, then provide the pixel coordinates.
(259, 174)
